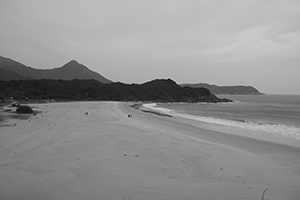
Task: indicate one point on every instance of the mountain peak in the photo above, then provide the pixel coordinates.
(12, 70)
(72, 63)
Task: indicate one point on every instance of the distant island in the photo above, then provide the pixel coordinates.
(233, 90)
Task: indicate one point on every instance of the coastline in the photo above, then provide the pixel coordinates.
(93, 150)
(235, 127)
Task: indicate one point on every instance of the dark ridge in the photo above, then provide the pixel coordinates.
(159, 90)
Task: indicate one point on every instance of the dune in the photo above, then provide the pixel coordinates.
(93, 150)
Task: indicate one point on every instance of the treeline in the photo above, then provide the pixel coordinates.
(160, 90)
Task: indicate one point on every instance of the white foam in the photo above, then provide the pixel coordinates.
(278, 129)
(153, 106)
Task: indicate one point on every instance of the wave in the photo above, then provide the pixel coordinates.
(278, 129)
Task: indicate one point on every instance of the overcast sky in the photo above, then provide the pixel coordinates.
(223, 42)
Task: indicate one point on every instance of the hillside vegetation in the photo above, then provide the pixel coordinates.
(159, 90)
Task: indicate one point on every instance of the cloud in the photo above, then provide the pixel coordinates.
(163, 35)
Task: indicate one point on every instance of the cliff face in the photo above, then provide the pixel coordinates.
(234, 90)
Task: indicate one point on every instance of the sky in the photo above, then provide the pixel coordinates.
(222, 42)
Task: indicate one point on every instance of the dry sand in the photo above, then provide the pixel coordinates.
(66, 153)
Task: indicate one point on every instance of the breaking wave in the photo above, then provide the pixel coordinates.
(278, 129)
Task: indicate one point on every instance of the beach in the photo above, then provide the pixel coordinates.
(94, 150)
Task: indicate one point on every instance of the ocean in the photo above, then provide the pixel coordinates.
(273, 118)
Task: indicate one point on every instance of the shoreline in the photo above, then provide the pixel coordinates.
(94, 150)
(234, 140)
(231, 130)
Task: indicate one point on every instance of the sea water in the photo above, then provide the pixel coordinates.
(271, 117)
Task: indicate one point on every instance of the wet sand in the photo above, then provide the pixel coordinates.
(93, 150)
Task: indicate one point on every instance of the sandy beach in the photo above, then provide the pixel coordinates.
(94, 151)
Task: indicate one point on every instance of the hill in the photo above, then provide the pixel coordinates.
(159, 90)
(235, 90)
(6, 75)
(12, 70)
